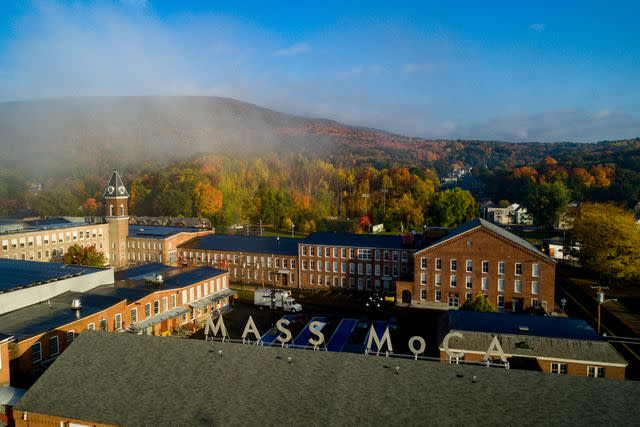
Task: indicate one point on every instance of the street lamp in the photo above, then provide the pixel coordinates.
(292, 227)
(601, 300)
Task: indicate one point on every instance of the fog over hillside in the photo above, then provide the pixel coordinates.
(47, 136)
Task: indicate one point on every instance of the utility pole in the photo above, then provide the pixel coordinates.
(600, 299)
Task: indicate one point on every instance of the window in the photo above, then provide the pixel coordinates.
(454, 300)
(343, 281)
(453, 281)
(453, 265)
(36, 352)
(165, 304)
(360, 268)
(558, 368)
(386, 255)
(500, 285)
(352, 253)
(469, 282)
(535, 270)
(500, 301)
(423, 279)
(304, 264)
(438, 295)
(404, 257)
(312, 251)
(438, 264)
(304, 251)
(423, 294)
(91, 327)
(134, 315)
(173, 298)
(485, 266)
(438, 279)
(368, 269)
(595, 371)
(327, 252)
(394, 271)
(344, 252)
(468, 295)
(423, 263)
(69, 337)
(54, 348)
(485, 283)
(517, 286)
(469, 266)
(335, 281)
(117, 322)
(518, 269)
(156, 307)
(535, 287)
(377, 254)
(501, 267)
(191, 294)
(147, 310)
(320, 265)
(312, 265)
(335, 267)
(103, 324)
(377, 269)
(394, 256)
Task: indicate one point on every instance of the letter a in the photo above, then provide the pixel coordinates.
(250, 327)
(495, 344)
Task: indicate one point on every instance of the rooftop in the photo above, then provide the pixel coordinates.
(158, 232)
(236, 243)
(123, 379)
(38, 318)
(479, 222)
(510, 323)
(381, 241)
(17, 274)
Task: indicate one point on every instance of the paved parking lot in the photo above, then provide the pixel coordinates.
(346, 319)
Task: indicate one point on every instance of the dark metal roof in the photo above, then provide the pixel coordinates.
(100, 379)
(253, 244)
(139, 271)
(16, 274)
(38, 318)
(158, 232)
(381, 241)
(509, 323)
(190, 277)
(479, 222)
(115, 187)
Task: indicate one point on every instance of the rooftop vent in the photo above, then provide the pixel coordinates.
(76, 304)
(523, 329)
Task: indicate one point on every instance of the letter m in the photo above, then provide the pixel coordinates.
(373, 338)
(215, 327)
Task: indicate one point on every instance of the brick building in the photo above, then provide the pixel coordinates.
(364, 262)
(49, 239)
(270, 261)
(556, 345)
(46, 322)
(481, 258)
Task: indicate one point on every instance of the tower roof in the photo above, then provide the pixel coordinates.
(115, 188)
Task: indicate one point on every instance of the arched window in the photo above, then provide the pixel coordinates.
(121, 210)
(110, 210)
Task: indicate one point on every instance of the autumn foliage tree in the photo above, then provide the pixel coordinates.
(207, 200)
(88, 256)
(451, 208)
(479, 303)
(609, 242)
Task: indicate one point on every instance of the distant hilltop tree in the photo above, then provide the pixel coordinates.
(89, 256)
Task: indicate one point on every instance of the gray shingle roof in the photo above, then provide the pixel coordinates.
(532, 346)
(129, 379)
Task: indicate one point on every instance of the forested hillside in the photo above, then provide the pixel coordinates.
(236, 162)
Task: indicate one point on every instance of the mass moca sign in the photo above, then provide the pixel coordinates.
(417, 345)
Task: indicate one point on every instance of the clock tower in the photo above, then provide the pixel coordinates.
(117, 216)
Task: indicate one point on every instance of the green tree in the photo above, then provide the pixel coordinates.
(478, 303)
(451, 208)
(547, 202)
(88, 256)
(609, 242)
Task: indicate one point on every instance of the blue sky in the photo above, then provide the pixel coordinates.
(550, 71)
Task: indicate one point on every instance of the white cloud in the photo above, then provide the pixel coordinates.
(537, 27)
(602, 114)
(412, 67)
(296, 49)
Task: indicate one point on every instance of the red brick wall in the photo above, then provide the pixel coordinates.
(34, 419)
(4, 364)
(26, 371)
(483, 245)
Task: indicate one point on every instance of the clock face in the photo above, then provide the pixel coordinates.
(121, 189)
(110, 190)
